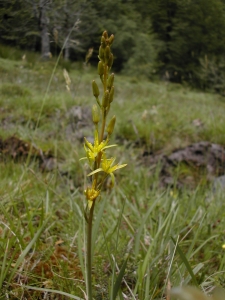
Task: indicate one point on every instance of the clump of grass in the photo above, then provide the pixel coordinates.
(11, 53)
(14, 90)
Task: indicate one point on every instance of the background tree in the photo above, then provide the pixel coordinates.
(43, 21)
(17, 24)
(189, 30)
(178, 39)
(73, 22)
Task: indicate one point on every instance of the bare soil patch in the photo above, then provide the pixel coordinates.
(189, 165)
(19, 150)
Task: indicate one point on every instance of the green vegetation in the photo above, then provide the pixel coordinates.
(170, 236)
(174, 40)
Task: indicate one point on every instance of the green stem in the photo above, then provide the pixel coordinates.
(89, 252)
(103, 109)
(103, 127)
(105, 77)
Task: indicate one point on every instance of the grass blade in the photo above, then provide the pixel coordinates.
(96, 224)
(52, 291)
(186, 263)
(119, 279)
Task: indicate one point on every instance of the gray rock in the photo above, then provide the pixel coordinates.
(219, 184)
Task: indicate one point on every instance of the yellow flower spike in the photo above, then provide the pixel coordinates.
(96, 151)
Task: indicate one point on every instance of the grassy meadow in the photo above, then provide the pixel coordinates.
(171, 237)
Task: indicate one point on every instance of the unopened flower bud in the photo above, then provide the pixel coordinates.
(105, 34)
(111, 39)
(110, 81)
(105, 100)
(95, 114)
(95, 89)
(103, 41)
(111, 94)
(107, 54)
(101, 53)
(100, 68)
(111, 125)
(110, 61)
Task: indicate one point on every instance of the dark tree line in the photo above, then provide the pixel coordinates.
(177, 40)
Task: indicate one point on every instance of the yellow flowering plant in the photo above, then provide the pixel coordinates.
(96, 154)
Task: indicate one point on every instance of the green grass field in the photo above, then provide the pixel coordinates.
(170, 237)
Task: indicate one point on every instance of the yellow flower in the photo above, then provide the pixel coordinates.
(91, 194)
(92, 151)
(108, 168)
(223, 246)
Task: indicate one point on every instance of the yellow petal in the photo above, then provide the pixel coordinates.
(95, 171)
(116, 167)
(90, 204)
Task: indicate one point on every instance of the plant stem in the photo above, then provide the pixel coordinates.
(103, 128)
(89, 252)
(103, 111)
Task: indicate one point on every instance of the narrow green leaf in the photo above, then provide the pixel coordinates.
(119, 279)
(148, 254)
(52, 291)
(96, 224)
(185, 261)
(4, 265)
(195, 271)
(116, 245)
(80, 246)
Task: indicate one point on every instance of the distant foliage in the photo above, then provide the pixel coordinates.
(212, 74)
(189, 31)
(141, 61)
(167, 38)
(17, 24)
